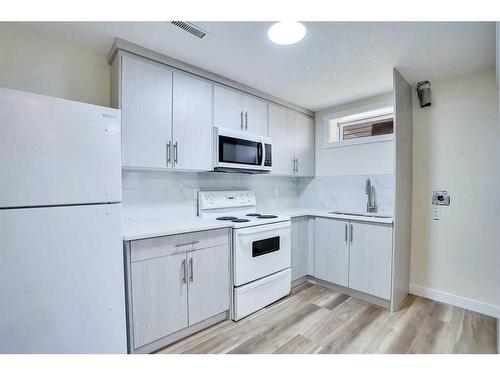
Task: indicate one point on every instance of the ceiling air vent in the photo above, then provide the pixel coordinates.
(190, 28)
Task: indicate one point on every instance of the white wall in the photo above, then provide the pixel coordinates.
(365, 159)
(456, 147)
(35, 63)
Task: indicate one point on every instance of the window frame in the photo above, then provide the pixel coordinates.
(381, 110)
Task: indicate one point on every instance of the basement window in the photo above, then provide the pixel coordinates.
(358, 128)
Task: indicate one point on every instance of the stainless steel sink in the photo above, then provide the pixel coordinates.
(358, 214)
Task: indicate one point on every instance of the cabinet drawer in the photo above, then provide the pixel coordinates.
(179, 243)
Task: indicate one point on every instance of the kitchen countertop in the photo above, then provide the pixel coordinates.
(157, 227)
(300, 211)
(139, 229)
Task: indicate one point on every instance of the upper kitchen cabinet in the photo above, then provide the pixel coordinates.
(166, 115)
(235, 110)
(256, 116)
(304, 145)
(192, 118)
(145, 99)
(281, 131)
(292, 135)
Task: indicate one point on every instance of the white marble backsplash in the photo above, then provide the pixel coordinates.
(150, 195)
(346, 193)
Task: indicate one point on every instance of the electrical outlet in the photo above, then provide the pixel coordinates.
(440, 198)
(436, 213)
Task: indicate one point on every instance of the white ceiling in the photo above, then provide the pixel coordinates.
(335, 63)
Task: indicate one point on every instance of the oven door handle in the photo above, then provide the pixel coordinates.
(262, 228)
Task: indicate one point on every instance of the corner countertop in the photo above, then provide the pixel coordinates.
(157, 227)
(300, 211)
(165, 226)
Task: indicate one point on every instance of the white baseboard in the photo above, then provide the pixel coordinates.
(452, 299)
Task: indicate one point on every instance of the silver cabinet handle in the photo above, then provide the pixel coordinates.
(169, 153)
(187, 243)
(297, 165)
(241, 120)
(191, 269)
(351, 232)
(294, 165)
(246, 120)
(184, 271)
(345, 235)
(175, 152)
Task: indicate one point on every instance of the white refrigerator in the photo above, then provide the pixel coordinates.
(61, 258)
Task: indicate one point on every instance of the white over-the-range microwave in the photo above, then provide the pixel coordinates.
(239, 151)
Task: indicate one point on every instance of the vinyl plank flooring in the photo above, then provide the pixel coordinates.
(474, 334)
(396, 332)
(299, 345)
(314, 319)
(278, 334)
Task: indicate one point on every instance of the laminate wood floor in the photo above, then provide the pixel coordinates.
(314, 319)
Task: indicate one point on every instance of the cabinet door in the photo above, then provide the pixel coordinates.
(331, 250)
(146, 104)
(228, 108)
(300, 247)
(304, 144)
(208, 275)
(255, 116)
(281, 131)
(371, 257)
(159, 297)
(192, 123)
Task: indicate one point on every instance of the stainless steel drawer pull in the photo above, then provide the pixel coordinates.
(246, 120)
(345, 235)
(241, 120)
(187, 243)
(175, 153)
(351, 233)
(184, 271)
(191, 269)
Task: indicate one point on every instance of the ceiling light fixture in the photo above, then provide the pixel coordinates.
(286, 32)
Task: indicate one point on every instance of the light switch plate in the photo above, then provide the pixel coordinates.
(436, 213)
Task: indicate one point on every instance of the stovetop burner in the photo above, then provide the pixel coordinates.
(267, 217)
(253, 214)
(227, 218)
(240, 220)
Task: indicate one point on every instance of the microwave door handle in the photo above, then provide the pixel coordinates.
(262, 153)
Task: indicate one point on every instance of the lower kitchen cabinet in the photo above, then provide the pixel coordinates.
(331, 250)
(354, 254)
(159, 298)
(208, 280)
(370, 263)
(300, 246)
(173, 283)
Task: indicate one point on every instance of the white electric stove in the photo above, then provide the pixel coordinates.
(261, 249)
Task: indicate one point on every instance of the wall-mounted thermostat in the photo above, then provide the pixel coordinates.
(440, 198)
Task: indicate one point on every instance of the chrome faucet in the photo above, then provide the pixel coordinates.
(371, 205)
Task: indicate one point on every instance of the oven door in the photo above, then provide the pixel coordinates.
(260, 251)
